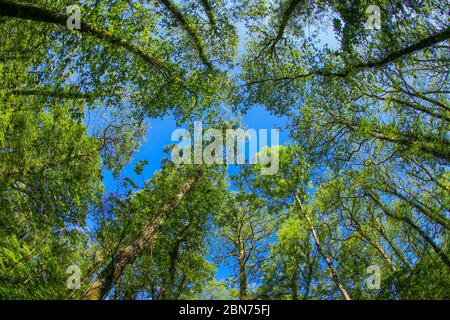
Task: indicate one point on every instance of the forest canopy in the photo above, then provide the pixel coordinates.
(358, 207)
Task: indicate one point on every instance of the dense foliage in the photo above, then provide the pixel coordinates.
(363, 181)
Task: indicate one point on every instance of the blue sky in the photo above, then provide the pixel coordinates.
(159, 136)
(160, 132)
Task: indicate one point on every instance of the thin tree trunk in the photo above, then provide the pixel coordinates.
(308, 281)
(382, 252)
(414, 226)
(393, 246)
(286, 16)
(327, 259)
(210, 13)
(373, 242)
(243, 294)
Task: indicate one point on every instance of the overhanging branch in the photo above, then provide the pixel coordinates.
(348, 70)
(190, 29)
(27, 12)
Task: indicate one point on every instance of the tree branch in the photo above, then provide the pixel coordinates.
(27, 12)
(191, 30)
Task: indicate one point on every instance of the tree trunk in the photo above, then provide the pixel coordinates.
(294, 287)
(393, 246)
(308, 281)
(373, 242)
(168, 282)
(103, 283)
(327, 259)
(415, 227)
(243, 294)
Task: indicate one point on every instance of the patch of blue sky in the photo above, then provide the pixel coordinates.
(160, 132)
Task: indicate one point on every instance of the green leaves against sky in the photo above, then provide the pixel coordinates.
(363, 179)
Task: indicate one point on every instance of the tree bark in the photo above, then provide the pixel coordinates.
(286, 16)
(243, 292)
(210, 13)
(393, 246)
(327, 259)
(103, 283)
(294, 287)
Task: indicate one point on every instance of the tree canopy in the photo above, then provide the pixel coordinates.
(358, 208)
